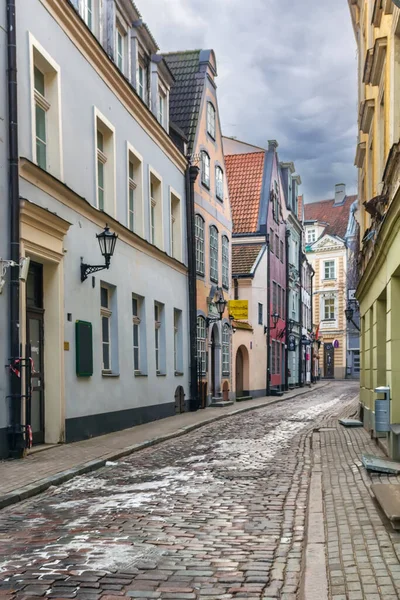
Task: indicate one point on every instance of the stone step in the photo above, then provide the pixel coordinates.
(221, 403)
(243, 398)
(388, 497)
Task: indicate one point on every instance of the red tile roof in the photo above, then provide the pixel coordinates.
(336, 217)
(244, 257)
(245, 177)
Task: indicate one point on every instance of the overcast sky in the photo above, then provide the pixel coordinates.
(286, 71)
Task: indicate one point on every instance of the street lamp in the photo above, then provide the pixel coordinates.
(107, 241)
(349, 311)
(220, 303)
(275, 319)
(290, 325)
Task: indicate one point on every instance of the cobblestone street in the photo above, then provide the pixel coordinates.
(218, 513)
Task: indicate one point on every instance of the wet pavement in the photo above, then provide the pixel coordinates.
(218, 513)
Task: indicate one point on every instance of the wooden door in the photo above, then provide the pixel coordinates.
(329, 361)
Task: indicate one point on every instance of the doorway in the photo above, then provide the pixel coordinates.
(329, 361)
(213, 343)
(239, 373)
(35, 350)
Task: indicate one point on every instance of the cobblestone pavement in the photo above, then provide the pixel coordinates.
(218, 513)
(363, 551)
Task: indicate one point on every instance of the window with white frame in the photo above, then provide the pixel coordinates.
(219, 183)
(201, 344)
(178, 341)
(142, 80)
(106, 314)
(162, 100)
(105, 164)
(211, 120)
(120, 48)
(155, 210)
(225, 262)
(260, 314)
(329, 309)
(87, 13)
(205, 169)
(199, 235)
(329, 269)
(136, 321)
(135, 192)
(176, 232)
(214, 253)
(226, 338)
(311, 236)
(157, 334)
(46, 115)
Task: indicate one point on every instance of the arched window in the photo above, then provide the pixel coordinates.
(201, 344)
(226, 338)
(214, 254)
(211, 120)
(205, 169)
(225, 262)
(219, 183)
(199, 235)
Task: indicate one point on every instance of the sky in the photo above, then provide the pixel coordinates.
(287, 70)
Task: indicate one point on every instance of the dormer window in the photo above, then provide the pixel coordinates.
(87, 13)
(311, 236)
(142, 81)
(205, 169)
(211, 120)
(161, 107)
(119, 54)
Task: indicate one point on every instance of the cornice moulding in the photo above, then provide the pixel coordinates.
(378, 62)
(367, 110)
(360, 154)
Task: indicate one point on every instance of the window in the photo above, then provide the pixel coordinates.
(311, 236)
(271, 240)
(120, 50)
(225, 349)
(329, 309)
(211, 120)
(201, 345)
(278, 358)
(87, 13)
(178, 350)
(260, 314)
(214, 253)
(161, 109)
(176, 233)
(159, 338)
(156, 235)
(142, 81)
(273, 358)
(135, 191)
(281, 251)
(277, 245)
(329, 269)
(105, 164)
(225, 262)
(199, 235)
(46, 110)
(274, 297)
(106, 315)
(276, 203)
(219, 183)
(283, 304)
(205, 169)
(136, 332)
(279, 300)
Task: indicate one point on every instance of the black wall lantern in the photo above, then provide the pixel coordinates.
(290, 325)
(107, 241)
(220, 304)
(275, 318)
(349, 312)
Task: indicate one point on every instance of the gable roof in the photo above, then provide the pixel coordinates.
(245, 178)
(186, 93)
(243, 257)
(336, 217)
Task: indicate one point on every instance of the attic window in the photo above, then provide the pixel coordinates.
(311, 236)
(211, 120)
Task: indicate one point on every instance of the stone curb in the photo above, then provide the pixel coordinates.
(36, 488)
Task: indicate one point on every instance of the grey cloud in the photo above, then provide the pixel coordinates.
(287, 70)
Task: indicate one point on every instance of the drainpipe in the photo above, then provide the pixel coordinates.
(301, 312)
(287, 313)
(268, 242)
(312, 324)
(16, 435)
(191, 176)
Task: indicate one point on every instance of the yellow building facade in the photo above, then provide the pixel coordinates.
(377, 29)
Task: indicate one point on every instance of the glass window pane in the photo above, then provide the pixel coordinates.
(136, 335)
(41, 154)
(136, 359)
(100, 141)
(39, 81)
(106, 356)
(104, 297)
(40, 123)
(105, 329)
(131, 171)
(134, 307)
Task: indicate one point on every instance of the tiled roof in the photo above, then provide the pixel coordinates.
(336, 217)
(245, 177)
(243, 257)
(185, 95)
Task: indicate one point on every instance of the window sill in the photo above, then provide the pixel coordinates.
(140, 374)
(225, 374)
(109, 374)
(219, 199)
(226, 287)
(211, 136)
(329, 279)
(161, 374)
(214, 280)
(207, 187)
(179, 374)
(199, 274)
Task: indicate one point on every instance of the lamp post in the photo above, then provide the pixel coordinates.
(107, 241)
(349, 312)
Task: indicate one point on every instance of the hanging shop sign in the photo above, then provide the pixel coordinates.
(239, 309)
(292, 343)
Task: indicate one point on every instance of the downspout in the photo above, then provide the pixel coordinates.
(16, 435)
(287, 313)
(268, 242)
(312, 325)
(301, 383)
(191, 176)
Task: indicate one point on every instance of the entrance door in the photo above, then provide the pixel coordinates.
(35, 350)
(213, 363)
(329, 361)
(239, 373)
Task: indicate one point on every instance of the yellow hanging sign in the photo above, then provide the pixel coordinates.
(239, 309)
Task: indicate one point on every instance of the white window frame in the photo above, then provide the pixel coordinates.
(106, 313)
(178, 350)
(88, 13)
(214, 253)
(107, 157)
(142, 86)
(136, 186)
(120, 35)
(175, 204)
(211, 119)
(226, 339)
(219, 183)
(136, 323)
(200, 244)
(205, 169)
(331, 268)
(156, 231)
(332, 302)
(311, 236)
(162, 106)
(101, 160)
(201, 345)
(225, 262)
(157, 327)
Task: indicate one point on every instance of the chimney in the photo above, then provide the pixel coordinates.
(272, 144)
(340, 193)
